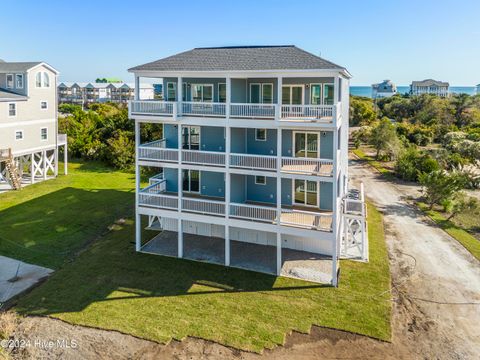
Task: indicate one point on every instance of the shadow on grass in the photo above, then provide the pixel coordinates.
(49, 229)
(111, 271)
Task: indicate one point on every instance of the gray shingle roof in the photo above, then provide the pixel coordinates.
(7, 95)
(286, 57)
(17, 66)
(429, 82)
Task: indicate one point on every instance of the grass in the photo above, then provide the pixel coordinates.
(158, 298)
(470, 243)
(375, 163)
(47, 223)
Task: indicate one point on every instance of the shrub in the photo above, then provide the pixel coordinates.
(411, 163)
(440, 186)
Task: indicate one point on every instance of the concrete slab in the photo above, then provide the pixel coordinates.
(249, 256)
(28, 275)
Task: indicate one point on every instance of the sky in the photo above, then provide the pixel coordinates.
(375, 40)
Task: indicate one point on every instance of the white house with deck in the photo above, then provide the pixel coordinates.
(29, 139)
(429, 86)
(252, 167)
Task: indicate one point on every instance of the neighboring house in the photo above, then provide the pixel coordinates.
(87, 93)
(429, 86)
(253, 157)
(384, 89)
(29, 141)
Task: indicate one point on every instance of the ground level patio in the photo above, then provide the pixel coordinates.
(262, 258)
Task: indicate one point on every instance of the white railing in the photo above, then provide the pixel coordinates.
(263, 162)
(260, 111)
(253, 212)
(153, 107)
(152, 196)
(306, 219)
(203, 206)
(307, 112)
(193, 108)
(156, 150)
(157, 179)
(354, 202)
(203, 157)
(61, 139)
(320, 167)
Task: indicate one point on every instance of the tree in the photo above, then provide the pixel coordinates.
(384, 139)
(362, 111)
(463, 203)
(440, 186)
(411, 163)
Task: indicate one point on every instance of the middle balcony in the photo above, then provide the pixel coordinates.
(302, 152)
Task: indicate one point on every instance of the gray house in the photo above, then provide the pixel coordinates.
(28, 123)
(384, 89)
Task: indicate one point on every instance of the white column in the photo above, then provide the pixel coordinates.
(279, 200)
(55, 161)
(180, 193)
(227, 245)
(279, 96)
(180, 238)
(228, 85)
(228, 142)
(44, 163)
(336, 214)
(179, 95)
(65, 159)
(138, 231)
(137, 87)
(279, 253)
(32, 168)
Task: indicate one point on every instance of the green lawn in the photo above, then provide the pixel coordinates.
(471, 243)
(48, 222)
(110, 286)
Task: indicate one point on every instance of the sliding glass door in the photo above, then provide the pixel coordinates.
(305, 193)
(292, 95)
(327, 94)
(191, 137)
(191, 181)
(306, 144)
(202, 92)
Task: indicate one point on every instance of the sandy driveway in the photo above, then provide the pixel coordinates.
(436, 279)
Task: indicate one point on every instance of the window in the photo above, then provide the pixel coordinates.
(38, 79)
(260, 180)
(260, 134)
(44, 133)
(12, 109)
(9, 81)
(171, 91)
(261, 93)
(222, 92)
(46, 80)
(19, 81)
(19, 135)
(43, 105)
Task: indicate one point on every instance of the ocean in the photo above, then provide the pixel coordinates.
(367, 90)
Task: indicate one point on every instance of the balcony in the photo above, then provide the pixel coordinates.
(155, 196)
(156, 151)
(287, 113)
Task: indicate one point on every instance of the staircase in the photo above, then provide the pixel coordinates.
(12, 170)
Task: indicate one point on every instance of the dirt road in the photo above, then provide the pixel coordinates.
(436, 303)
(437, 281)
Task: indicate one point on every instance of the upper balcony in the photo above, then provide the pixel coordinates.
(314, 100)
